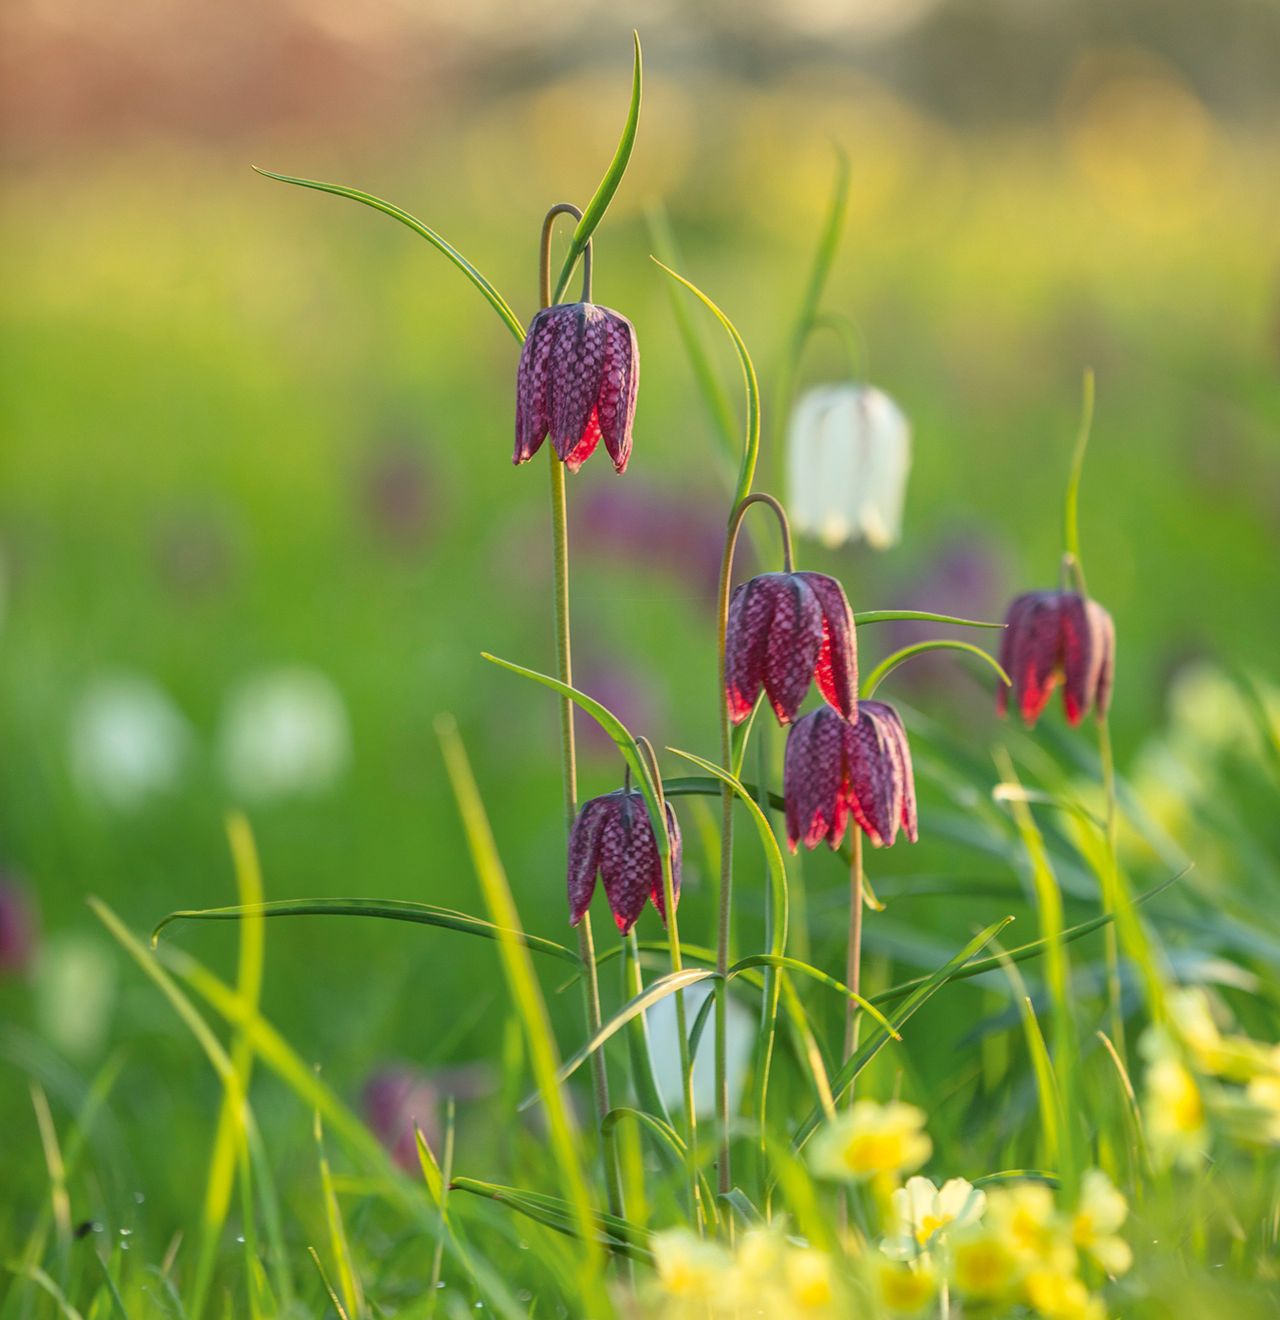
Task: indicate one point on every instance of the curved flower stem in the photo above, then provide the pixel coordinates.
(564, 671)
(725, 1180)
(846, 330)
(677, 964)
(853, 966)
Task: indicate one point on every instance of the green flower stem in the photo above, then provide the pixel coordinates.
(677, 965)
(725, 1179)
(564, 671)
(1110, 887)
(853, 966)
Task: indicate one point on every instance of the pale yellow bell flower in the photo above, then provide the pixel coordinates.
(871, 1140)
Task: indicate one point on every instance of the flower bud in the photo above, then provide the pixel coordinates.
(613, 838)
(835, 768)
(1054, 637)
(577, 380)
(787, 630)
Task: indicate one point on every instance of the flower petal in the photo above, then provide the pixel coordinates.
(750, 613)
(794, 641)
(659, 898)
(1035, 656)
(619, 382)
(584, 854)
(532, 377)
(813, 778)
(628, 859)
(577, 363)
(875, 775)
(837, 666)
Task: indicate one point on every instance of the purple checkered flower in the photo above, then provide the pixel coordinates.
(836, 768)
(1054, 637)
(577, 380)
(787, 630)
(613, 838)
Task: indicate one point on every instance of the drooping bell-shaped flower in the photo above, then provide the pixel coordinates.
(1054, 637)
(848, 455)
(613, 838)
(787, 630)
(835, 768)
(577, 380)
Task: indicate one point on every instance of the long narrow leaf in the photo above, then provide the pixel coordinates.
(603, 195)
(919, 616)
(491, 295)
(890, 663)
(392, 909)
(806, 969)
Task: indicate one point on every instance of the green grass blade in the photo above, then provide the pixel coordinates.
(391, 909)
(334, 1299)
(1071, 507)
(932, 984)
(891, 662)
(621, 735)
(1024, 952)
(807, 1048)
(639, 1047)
(645, 1000)
(117, 1302)
(806, 969)
(603, 195)
(490, 294)
(751, 443)
(43, 1281)
(919, 616)
(526, 996)
(339, 1245)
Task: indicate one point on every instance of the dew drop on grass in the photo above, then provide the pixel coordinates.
(240, 1239)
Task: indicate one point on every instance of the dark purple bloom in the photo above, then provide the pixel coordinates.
(835, 768)
(613, 837)
(1054, 637)
(18, 927)
(399, 1098)
(577, 379)
(785, 631)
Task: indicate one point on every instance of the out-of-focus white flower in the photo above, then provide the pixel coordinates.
(871, 1140)
(664, 1046)
(924, 1213)
(74, 992)
(129, 742)
(848, 455)
(283, 732)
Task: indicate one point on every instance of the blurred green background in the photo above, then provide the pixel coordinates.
(257, 511)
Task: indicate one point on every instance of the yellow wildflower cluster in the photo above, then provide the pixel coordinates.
(1195, 1070)
(768, 1274)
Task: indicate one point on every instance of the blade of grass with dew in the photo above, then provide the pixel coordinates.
(391, 909)
(228, 1143)
(526, 996)
(932, 984)
(1057, 971)
(334, 1299)
(890, 663)
(603, 195)
(751, 444)
(339, 1245)
(607, 1230)
(314, 1094)
(490, 294)
(227, 1075)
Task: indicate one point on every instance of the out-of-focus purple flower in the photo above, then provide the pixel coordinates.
(1054, 637)
(399, 1097)
(613, 838)
(835, 768)
(678, 532)
(624, 690)
(396, 490)
(577, 380)
(18, 926)
(785, 631)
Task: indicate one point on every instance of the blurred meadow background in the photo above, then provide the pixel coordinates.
(258, 516)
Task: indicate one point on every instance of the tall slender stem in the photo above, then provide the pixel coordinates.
(725, 1177)
(569, 767)
(853, 966)
(1111, 887)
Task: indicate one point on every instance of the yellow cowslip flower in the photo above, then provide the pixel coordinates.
(872, 1140)
(1263, 1094)
(1172, 1108)
(1025, 1217)
(924, 1212)
(1062, 1297)
(1100, 1212)
(810, 1283)
(906, 1289)
(1234, 1057)
(690, 1268)
(983, 1265)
